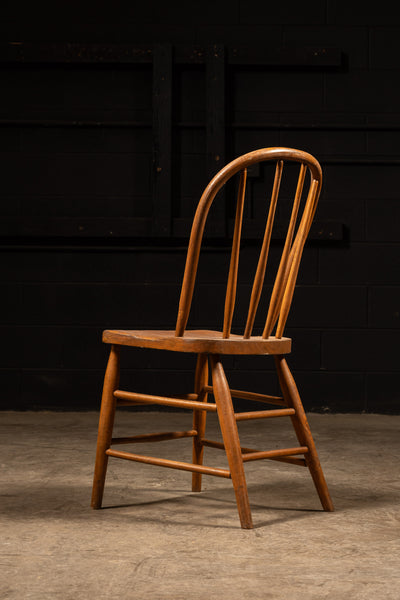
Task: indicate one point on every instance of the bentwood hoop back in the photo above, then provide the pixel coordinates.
(210, 346)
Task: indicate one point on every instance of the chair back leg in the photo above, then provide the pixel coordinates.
(199, 417)
(302, 429)
(106, 424)
(231, 440)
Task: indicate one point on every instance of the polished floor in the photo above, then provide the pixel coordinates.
(157, 540)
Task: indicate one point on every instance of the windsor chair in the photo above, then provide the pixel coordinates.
(211, 346)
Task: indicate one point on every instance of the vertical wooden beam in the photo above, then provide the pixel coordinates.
(199, 417)
(230, 436)
(302, 430)
(215, 86)
(262, 261)
(106, 424)
(162, 139)
(230, 297)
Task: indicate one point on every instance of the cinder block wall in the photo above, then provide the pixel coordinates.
(59, 291)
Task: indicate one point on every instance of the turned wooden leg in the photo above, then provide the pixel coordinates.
(199, 417)
(230, 436)
(302, 429)
(106, 423)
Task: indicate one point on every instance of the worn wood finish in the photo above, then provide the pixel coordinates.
(230, 436)
(210, 346)
(303, 432)
(199, 417)
(106, 423)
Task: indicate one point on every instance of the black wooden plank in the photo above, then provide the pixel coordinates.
(285, 56)
(162, 139)
(73, 227)
(251, 54)
(323, 231)
(215, 127)
(215, 74)
(26, 52)
(360, 349)
(68, 123)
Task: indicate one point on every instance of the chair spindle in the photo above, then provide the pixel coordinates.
(284, 267)
(234, 264)
(297, 250)
(262, 261)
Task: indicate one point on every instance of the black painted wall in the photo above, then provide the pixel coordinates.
(81, 248)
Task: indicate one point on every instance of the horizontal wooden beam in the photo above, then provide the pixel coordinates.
(263, 55)
(264, 414)
(154, 437)
(243, 395)
(171, 464)
(164, 401)
(247, 456)
(115, 228)
(75, 123)
(78, 53)
(256, 125)
(320, 230)
(76, 227)
(294, 460)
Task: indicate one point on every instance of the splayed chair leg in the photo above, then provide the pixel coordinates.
(199, 417)
(230, 437)
(302, 429)
(106, 423)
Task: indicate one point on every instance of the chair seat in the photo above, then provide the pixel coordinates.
(198, 341)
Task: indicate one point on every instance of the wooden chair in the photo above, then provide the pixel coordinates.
(210, 346)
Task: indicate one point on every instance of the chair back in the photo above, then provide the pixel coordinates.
(299, 224)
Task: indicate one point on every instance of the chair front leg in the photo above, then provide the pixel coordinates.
(302, 429)
(231, 440)
(106, 424)
(199, 417)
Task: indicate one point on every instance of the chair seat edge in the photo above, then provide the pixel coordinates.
(199, 341)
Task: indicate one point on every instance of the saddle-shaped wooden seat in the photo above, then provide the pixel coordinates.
(199, 341)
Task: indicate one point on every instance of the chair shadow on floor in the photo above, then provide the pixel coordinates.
(205, 509)
(69, 502)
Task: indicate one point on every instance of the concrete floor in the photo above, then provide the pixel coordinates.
(157, 540)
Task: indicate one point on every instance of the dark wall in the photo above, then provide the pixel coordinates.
(108, 133)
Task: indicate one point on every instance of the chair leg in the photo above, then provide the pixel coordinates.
(106, 423)
(199, 417)
(302, 429)
(230, 437)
